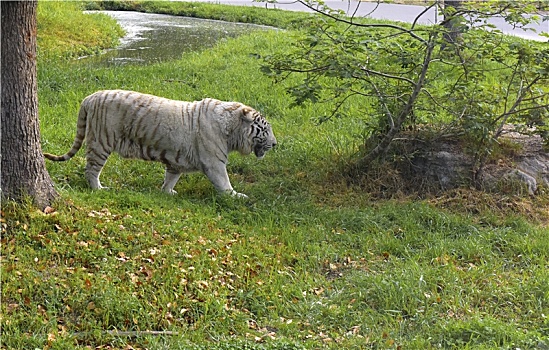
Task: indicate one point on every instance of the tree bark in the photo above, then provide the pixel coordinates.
(22, 168)
(451, 36)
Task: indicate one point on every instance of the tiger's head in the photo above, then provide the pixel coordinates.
(261, 133)
(263, 138)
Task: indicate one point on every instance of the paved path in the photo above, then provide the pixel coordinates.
(395, 12)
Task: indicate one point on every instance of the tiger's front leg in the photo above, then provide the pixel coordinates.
(217, 174)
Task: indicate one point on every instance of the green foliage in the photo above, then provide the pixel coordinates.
(406, 76)
(307, 263)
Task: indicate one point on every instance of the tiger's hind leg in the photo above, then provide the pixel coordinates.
(170, 179)
(95, 161)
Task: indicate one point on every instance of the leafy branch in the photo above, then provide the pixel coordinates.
(406, 74)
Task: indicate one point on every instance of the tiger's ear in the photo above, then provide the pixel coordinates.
(247, 114)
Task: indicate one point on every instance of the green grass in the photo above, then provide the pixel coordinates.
(257, 15)
(308, 262)
(64, 31)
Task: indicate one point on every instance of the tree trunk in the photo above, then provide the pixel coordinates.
(23, 172)
(451, 36)
(387, 139)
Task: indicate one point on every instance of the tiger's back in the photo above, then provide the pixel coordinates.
(185, 136)
(134, 125)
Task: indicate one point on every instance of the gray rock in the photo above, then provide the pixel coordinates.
(445, 165)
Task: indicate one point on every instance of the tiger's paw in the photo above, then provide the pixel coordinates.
(235, 194)
(168, 190)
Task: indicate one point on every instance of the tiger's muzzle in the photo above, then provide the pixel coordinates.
(260, 150)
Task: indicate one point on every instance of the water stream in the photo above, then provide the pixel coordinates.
(154, 38)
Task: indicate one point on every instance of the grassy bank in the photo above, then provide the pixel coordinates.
(256, 15)
(64, 31)
(308, 262)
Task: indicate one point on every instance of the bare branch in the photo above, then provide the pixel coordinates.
(421, 14)
(372, 25)
(385, 75)
(511, 111)
(131, 334)
(533, 108)
(382, 101)
(339, 104)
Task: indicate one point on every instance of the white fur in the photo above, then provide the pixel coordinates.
(185, 136)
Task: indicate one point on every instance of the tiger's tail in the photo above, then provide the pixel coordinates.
(78, 139)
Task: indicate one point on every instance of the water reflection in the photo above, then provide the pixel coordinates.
(154, 38)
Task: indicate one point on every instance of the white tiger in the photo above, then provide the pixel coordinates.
(185, 136)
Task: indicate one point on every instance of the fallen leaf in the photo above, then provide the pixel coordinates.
(12, 307)
(48, 210)
(51, 337)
